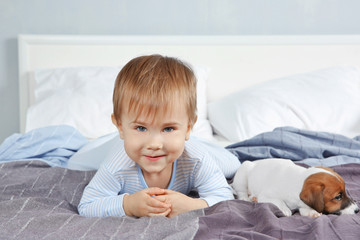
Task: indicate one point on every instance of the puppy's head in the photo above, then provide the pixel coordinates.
(325, 192)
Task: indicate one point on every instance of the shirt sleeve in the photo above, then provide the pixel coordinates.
(100, 197)
(211, 183)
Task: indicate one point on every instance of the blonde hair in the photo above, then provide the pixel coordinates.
(151, 83)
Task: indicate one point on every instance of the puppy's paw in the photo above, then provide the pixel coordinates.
(243, 196)
(309, 212)
(315, 214)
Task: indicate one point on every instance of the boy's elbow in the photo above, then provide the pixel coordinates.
(81, 210)
(84, 209)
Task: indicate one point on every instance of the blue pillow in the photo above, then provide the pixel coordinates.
(90, 156)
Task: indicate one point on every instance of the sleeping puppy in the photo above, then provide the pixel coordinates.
(312, 191)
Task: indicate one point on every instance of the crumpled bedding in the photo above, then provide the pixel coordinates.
(53, 145)
(40, 202)
(302, 146)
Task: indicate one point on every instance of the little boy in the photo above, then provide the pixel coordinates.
(152, 173)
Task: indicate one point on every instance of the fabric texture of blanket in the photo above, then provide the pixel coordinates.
(40, 202)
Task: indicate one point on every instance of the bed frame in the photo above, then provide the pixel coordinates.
(236, 62)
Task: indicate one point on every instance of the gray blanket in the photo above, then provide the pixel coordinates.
(40, 202)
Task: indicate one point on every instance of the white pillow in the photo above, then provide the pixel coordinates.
(82, 97)
(324, 100)
(202, 127)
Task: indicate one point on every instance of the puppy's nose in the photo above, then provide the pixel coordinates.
(356, 210)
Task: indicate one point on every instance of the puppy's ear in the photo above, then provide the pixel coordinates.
(312, 193)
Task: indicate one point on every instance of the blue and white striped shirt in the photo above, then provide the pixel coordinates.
(195, 170)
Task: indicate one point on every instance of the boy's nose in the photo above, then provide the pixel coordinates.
(154, 146)
(155, 143)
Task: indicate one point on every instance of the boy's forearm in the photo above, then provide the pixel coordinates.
(199, 203)
(105, 207)
(126, 206)
(182, 203)
(220, 194)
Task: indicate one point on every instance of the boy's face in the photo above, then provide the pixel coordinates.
(154, 142)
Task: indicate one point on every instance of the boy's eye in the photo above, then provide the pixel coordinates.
(141, 129)
(168, 129)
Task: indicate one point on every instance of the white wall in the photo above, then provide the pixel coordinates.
(208, 17)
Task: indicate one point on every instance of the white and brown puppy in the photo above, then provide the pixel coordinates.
(312, 191)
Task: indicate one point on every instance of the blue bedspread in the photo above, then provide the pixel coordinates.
(53, 145)
(308, 147)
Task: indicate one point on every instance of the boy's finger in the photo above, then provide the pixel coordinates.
(168, 191)
(161, 198)
(157, 210)
(161, 214)
(155, 191)
(153, 202)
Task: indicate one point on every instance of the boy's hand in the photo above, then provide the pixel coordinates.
(143, 203)
(181, 203)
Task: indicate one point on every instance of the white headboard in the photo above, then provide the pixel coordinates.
(236, 62)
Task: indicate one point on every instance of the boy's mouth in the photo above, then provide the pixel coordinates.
(154, 158)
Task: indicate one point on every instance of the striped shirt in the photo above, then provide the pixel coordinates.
(195, 170)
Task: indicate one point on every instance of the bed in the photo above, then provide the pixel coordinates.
(295, 97)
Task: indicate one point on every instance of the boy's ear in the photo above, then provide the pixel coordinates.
(118, 125)
(187, 136)
(190, 126)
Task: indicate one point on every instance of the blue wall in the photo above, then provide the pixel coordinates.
(209, 17)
